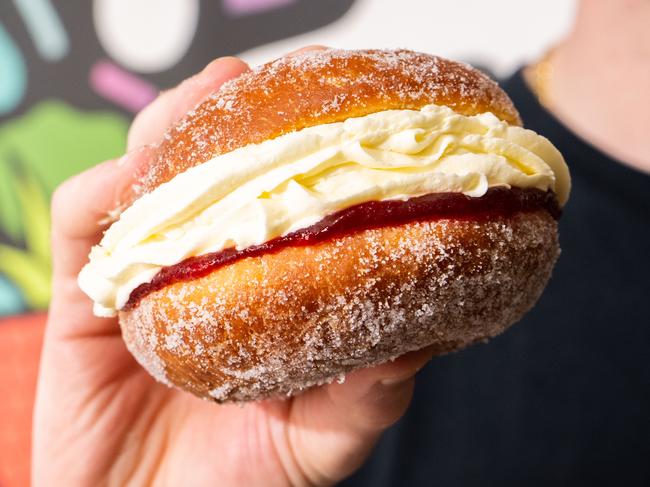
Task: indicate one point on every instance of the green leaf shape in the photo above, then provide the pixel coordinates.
(9, 207)
(38, 151)
(32, 278)
(35, 210)
(30, 268)
(54, 141)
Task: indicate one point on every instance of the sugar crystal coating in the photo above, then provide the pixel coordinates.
(318, 87)
(277, 324)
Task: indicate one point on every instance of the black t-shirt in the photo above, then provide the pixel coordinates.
(562, 398)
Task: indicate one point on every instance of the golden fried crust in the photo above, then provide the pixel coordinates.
(281, 322)
(320, 87)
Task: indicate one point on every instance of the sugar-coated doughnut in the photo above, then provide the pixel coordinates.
(326, 212)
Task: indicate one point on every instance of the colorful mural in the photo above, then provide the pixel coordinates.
(32, 148)
(13, 75)
(45, 28)
(74, 73)
(147, 47)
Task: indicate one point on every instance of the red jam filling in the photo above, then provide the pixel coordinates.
(497, 202)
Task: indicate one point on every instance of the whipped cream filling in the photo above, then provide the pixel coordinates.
(262, 191)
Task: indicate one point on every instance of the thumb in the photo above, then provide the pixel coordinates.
(82, 207)
(332, 429)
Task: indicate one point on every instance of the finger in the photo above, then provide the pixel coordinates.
(84, 205)
(82, 208)
(345, 420)
(151, 123)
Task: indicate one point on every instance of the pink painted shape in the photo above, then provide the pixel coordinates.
(238, 8)
(121, 87)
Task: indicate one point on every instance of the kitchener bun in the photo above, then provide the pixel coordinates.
(278, 322)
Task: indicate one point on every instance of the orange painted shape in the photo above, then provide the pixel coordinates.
(21, 338)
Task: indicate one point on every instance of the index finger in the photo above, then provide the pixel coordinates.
(151, 123)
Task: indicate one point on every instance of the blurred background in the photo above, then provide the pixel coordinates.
(73, 74)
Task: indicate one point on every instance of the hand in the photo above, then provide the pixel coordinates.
(100, 419)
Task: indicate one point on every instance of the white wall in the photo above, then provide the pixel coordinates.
(499, 34)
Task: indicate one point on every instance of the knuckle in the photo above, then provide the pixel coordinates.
(60, 197)
(59, 204)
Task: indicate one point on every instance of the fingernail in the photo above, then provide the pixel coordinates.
(132, 155)
(219, 60)
(393, 381)
(123, 160)
(315, 47)
(212, 63)
(128, 157)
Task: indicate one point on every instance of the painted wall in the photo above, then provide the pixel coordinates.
(74, 72)
(497, 34)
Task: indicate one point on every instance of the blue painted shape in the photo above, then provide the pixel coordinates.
(45, 28)
(11, 302)
(13, 73)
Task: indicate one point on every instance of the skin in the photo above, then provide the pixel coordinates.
(100, 419)
(600, 74)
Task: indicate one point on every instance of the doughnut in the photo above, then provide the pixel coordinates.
(327, 212)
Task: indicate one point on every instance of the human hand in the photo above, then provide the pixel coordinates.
(100, 419)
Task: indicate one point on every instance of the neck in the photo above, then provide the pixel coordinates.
(599, 81)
